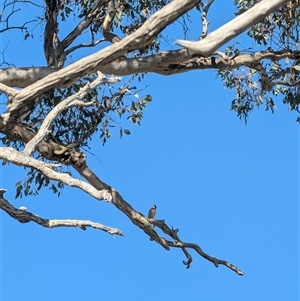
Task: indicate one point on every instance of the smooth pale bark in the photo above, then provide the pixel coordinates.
(109, 60)
(232, 29)
(91, 64)
(164, 63)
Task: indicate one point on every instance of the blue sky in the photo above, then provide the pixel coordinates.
(229, 187)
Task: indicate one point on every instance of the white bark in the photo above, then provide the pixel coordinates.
(23, 216)
(36, 81)
(91, 64)
(18, 158)
(71, 101)
(233, 28)
(42, 79)
(165, 63)
(23, 77)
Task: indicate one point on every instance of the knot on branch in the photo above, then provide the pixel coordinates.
(70, 156)
(77, 158)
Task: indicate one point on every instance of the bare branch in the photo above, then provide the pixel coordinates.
(91, 64)
(11, 155)
(6, 4)
(24, 216)
(10, 92)
(71, 101)
(233, 28)
(205, 23)
(285, 83)
(107, 23)
(25, 76)
(90, 16)
(214, 260)
(136, 217)
(164, 63)
(83, 45)
(177, 243)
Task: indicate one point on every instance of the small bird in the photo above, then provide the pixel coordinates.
(152, 212)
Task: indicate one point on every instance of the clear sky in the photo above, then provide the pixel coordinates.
(229, 187)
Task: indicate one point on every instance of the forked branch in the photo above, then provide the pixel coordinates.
(91, 64)
(147, 224)
(71, 101)
(233, 28)
(214, 260)
(18, 158)
(177, 243)
(23, 216)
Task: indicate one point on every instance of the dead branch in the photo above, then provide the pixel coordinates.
(136, 217)
(145, 224)
(177, 243)
(214, 260)
(6, 5)
(23, 216)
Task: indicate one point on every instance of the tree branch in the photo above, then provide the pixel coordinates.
(10, 92)
(24, 216)
(145, 224)
(71, 101)
(136, 217)
(177, 243)
(233, 28)
(91, 15)
(83, 45)
(164, 63)
(205, 23)
(11, 155)
(107, 23)
(91, 64)
(214, 260)
(50, 32)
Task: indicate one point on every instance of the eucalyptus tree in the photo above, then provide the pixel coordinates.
(52, 112)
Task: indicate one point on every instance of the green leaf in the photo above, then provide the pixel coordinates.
(53, 188)
(19, 189)
(27, 190)
(127, 132)
(27, 35)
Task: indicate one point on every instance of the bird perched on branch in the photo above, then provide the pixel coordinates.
(152, 212)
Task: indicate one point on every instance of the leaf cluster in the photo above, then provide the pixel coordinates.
(279, 32)
(76, 126)
(33, 182)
